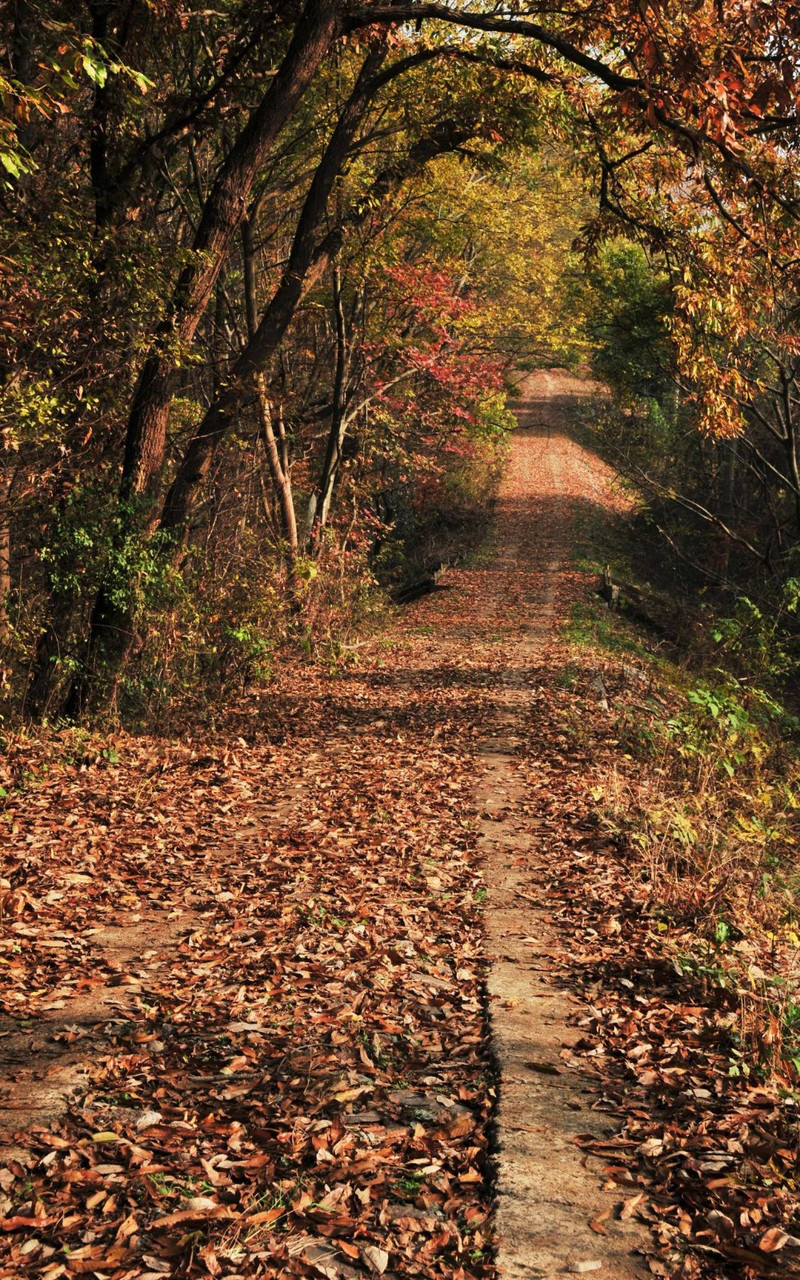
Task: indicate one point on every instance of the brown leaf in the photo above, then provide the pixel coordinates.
(773, 1240)
(596, 1223)
(377, 1259)
(631, 1205)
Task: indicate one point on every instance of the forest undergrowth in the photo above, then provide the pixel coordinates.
(687, 915)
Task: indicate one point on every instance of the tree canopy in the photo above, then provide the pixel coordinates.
(265, 269)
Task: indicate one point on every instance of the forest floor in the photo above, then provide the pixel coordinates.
(362, 984)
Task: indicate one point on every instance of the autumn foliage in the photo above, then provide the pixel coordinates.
(251, 259)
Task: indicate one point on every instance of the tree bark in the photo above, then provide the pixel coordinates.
(275, 447)
(277, 463)
(788, 384)
(100, 12)
(307, 259)
(111, 627)
(333, 450)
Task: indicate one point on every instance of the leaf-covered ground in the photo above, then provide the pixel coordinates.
(256, 961)
(705, 1156)
(298, 1082)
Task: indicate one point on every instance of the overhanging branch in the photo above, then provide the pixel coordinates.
(491, 22)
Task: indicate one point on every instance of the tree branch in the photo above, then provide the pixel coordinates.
(490, 22)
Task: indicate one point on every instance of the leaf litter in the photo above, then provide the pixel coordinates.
(297, 1079)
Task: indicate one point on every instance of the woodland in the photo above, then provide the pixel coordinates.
(265, 269)
(272, 277)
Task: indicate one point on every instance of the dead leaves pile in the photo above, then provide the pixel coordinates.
(102, 835)
(298, 1083)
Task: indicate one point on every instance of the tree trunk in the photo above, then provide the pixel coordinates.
(333, 451)
(100, 11)
(277, 463)
(275, 447)
(307, 259)
(249, 273)
(794, 468)
(42, 688)
(111, 632)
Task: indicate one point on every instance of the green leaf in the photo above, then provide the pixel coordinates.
(12, 163)
(142, 82)
(95, 70)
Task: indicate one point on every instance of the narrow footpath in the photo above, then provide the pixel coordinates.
(294, 998)
(549, 1194)
(553, 1215)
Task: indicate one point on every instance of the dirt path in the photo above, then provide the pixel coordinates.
(498, 621)
(299, 1077)
(548, 1194)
